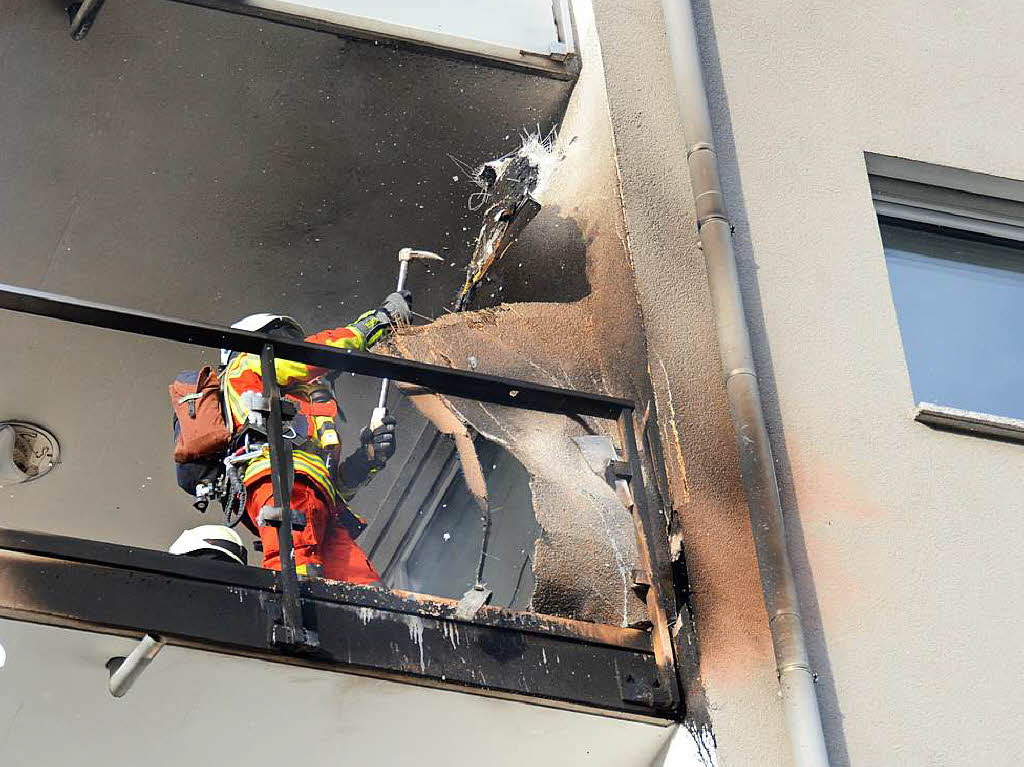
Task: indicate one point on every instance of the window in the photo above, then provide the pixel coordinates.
(534, 35)
(955, 257)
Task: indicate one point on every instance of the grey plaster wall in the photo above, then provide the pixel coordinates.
(906, 541)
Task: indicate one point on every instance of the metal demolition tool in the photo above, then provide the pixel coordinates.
(405, 255)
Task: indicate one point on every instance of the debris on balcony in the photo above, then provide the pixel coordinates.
(586, 552)
(510, 195)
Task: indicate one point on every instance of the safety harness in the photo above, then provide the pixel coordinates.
(219, 470)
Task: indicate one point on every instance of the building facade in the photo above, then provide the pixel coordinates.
(873, 183)
(904, 538)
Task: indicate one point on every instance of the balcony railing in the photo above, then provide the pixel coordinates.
(638, 677)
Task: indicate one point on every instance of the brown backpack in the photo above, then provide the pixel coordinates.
(201, 431)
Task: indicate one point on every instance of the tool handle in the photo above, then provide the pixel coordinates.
(377, 418)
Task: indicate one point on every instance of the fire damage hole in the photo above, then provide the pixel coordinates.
(453, 542)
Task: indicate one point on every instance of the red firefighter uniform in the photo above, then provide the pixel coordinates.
(326, 540)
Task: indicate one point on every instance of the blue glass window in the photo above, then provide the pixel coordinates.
(960, 304)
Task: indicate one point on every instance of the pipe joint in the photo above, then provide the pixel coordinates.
(778, 614)
(710, 205)
(787, 667)
(741, 372)
(708, 199)
(700, 146)
(702, 221)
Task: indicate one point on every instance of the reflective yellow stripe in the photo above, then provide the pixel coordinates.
(309, 465)
(236, 367)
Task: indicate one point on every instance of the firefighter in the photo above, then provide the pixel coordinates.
(324, 484)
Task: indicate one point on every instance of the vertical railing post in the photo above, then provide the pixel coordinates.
(281, 476)
(652, 541)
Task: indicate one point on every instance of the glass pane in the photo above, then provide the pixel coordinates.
(459, 541)
(525, 24)
(960, 305)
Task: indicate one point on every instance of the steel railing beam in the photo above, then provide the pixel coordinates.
(455, 383)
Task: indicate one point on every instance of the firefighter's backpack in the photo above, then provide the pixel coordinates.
(201, 432)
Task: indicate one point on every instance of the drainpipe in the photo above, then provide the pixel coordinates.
(124, 671)
(800, 702)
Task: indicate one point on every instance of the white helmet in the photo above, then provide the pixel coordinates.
(216, 540)
(258, 322)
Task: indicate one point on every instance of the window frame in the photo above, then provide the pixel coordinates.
(958, 203)
(560, 61)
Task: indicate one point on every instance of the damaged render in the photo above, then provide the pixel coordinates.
(561, 308)
(586, 553)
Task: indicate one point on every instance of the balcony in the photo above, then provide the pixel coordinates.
(206, 165)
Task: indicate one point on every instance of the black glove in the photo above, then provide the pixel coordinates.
(396, 306)
(375, 448)
(379, 444)
(377, 323)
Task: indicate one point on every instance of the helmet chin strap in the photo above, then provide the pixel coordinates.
(213, 556)
(285, 330)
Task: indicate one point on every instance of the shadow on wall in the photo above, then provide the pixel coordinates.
(832, 717)
(547, 264)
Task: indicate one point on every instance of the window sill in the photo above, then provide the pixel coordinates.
(970, 422)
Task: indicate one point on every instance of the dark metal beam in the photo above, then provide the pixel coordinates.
(225, 608)
(292, 631)
(157, 562)
(455, 383)
(652, 542)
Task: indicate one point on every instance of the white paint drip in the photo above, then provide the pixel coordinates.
(366, 615)
(451, 633)
(415, 624)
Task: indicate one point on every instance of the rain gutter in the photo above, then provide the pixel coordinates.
(800, 702)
